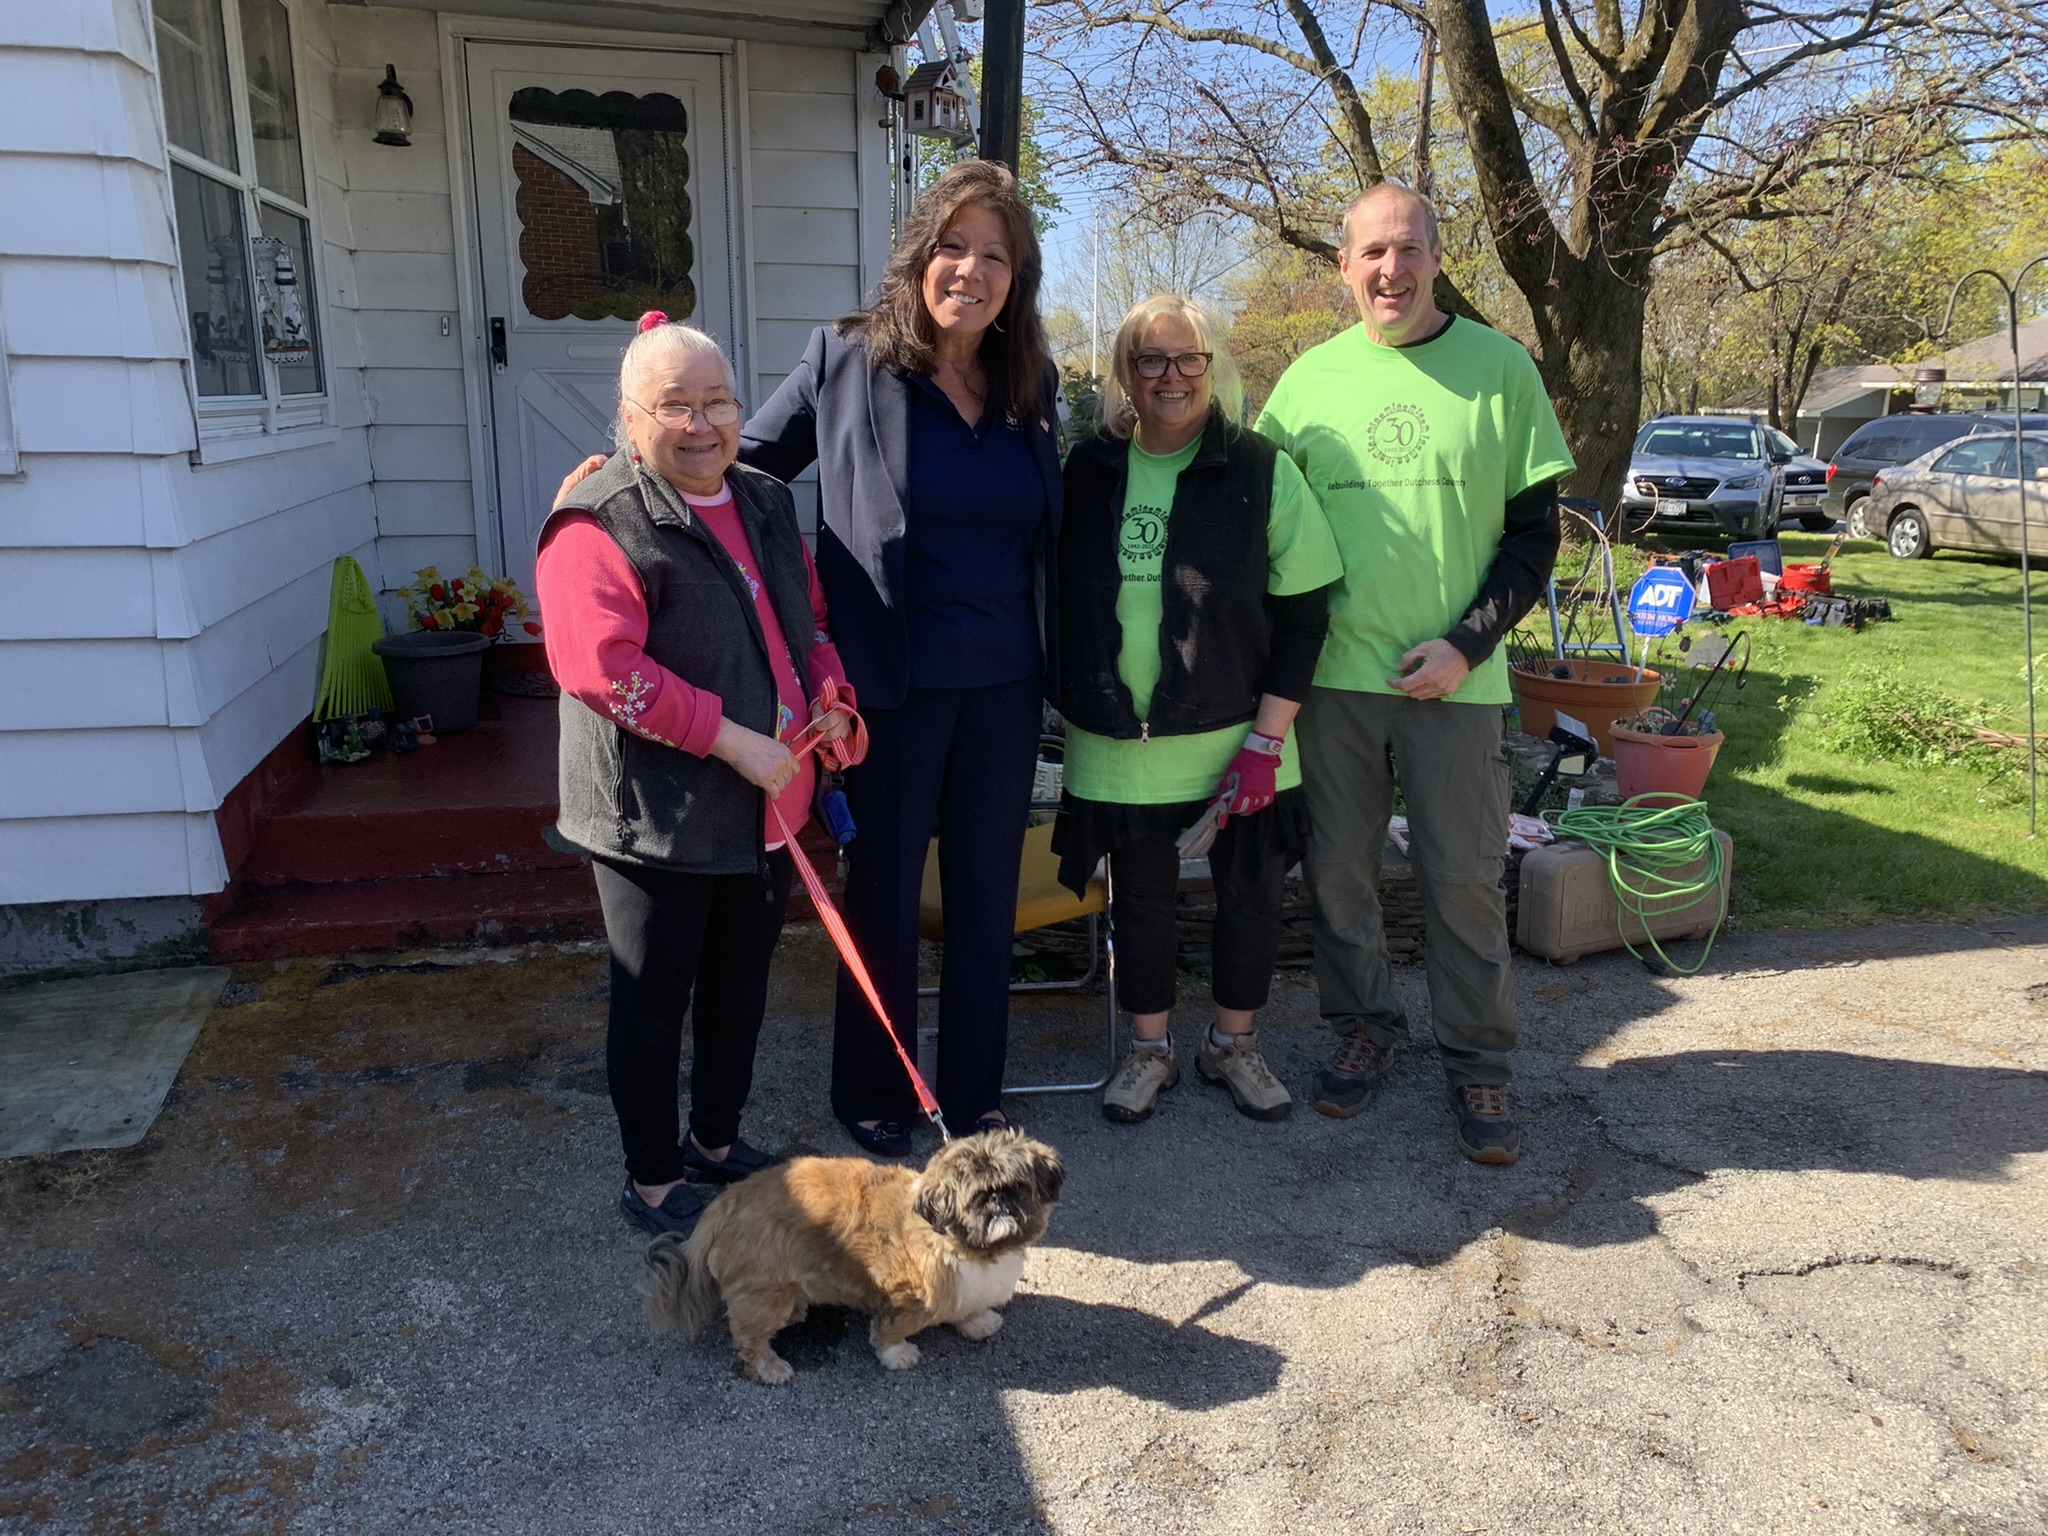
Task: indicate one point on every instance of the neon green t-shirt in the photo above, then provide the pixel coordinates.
(1301, 556)
(1414, 452)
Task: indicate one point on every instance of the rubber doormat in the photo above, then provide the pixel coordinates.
(87, 1063)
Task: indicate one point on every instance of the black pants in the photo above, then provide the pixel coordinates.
(674, 935)
(959, 760)
(1143, 873)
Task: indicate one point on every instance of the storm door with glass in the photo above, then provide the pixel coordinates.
(603, 191)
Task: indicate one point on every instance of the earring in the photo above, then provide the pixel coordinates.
(997, 325)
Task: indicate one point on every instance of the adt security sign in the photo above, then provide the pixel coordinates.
(1660, 602)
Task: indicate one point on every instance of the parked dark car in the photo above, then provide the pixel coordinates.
(1966, 495)
(1892, 440)
(1721, 474)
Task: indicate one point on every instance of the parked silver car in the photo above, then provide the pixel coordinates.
(1963, 495)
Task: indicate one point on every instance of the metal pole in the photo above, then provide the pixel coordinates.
(1095, 297)
(2011, 291)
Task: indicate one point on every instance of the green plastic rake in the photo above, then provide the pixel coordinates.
(352, 680)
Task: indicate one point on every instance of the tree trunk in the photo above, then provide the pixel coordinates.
(1592, 365)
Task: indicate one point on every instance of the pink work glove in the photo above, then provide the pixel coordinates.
(1256, 768)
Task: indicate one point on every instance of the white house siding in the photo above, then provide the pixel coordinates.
(817, 214)
(403, 226)
(160, 627)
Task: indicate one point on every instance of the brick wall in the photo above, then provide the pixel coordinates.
(558, 238)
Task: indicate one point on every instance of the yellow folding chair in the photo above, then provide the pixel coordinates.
(1041, 902)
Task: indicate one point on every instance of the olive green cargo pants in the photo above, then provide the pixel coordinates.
(1456, 782)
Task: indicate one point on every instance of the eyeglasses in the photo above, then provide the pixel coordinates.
(1189, 365)
(670, 413)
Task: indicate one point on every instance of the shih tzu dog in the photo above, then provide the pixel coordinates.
(911, 1250)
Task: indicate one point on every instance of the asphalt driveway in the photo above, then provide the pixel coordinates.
(1774, 1262)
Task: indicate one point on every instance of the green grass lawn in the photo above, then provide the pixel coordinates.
(1822, 838)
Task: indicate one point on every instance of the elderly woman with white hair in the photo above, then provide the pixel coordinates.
(1194, 567)
(686, 626)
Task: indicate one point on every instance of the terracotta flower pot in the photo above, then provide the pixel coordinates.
(1597, 693)
(1649, 764)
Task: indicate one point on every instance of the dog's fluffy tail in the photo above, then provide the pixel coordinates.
(680, 1292)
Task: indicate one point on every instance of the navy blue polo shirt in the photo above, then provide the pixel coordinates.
(972, 519)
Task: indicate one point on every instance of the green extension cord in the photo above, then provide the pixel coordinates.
(1644, 843)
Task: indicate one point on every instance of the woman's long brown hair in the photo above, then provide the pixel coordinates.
(899, 330)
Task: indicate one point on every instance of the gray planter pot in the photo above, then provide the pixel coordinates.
(437, 673)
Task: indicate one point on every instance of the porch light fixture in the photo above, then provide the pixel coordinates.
(393, 117)
(1927, 385)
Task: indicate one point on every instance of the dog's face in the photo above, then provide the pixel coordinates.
(990, 1193)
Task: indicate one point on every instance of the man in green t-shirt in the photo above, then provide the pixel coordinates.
(1436, 455)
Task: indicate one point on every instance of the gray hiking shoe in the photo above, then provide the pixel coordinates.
(1347, 1084)
(1241, 1067)
(1487, 1133)
(1134, 1092)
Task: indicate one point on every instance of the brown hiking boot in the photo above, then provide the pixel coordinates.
(1487, 1133)
(1134, 1092)
(1347, 1084)
(1241, 1067)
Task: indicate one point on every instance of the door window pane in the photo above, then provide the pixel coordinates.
(215, 250)
(192, 53)
(1973, 456)
(603, 204)
(2034, 459)
(273, 100)
(284, 302)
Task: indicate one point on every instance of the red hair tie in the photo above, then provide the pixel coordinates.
(651, 319)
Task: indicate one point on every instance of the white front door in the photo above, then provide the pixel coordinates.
(604, 187)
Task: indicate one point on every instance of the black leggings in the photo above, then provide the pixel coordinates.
(1143, 875)
(673, 934)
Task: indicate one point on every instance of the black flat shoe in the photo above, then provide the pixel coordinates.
(885, 1138)
(740, 1161)
(994, 1120)
(677, 1213)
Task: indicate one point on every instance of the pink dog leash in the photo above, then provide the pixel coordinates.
(842, 940)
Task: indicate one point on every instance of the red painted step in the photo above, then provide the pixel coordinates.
(286, 921)
(475, 802)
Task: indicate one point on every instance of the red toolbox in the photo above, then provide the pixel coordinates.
(1731, 583)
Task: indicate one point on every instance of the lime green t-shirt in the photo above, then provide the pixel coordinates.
(1301, 556)
(1414, 452)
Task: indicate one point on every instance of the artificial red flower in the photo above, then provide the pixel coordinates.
(428, 621)
(532, 629)
(438, 593)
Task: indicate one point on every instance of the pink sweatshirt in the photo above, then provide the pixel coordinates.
(594, 615)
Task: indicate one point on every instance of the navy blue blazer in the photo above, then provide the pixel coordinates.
(853, 421)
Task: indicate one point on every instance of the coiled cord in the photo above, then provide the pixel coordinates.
(1660, 859)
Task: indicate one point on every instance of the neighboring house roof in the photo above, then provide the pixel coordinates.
(1987, 360)
(587, 156)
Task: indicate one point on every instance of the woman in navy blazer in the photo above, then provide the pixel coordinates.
(930, 416)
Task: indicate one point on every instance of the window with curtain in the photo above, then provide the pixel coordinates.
(240, 198)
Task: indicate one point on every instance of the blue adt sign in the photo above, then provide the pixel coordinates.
(1660, 602)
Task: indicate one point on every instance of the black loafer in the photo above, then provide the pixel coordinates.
(740, 1161)
(677, 1213)
(885, 1138)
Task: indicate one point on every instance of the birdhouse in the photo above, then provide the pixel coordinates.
(932, 108)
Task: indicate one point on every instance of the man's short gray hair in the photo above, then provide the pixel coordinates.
(1382, 189)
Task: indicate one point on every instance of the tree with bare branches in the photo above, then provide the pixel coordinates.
(1600, 134)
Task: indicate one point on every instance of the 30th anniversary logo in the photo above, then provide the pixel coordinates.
(1397, 434)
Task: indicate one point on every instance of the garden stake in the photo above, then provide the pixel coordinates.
(1699, 694)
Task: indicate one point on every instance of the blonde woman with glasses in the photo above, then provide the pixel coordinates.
(1194, 567)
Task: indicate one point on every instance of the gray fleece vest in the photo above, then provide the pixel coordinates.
(638, 801)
